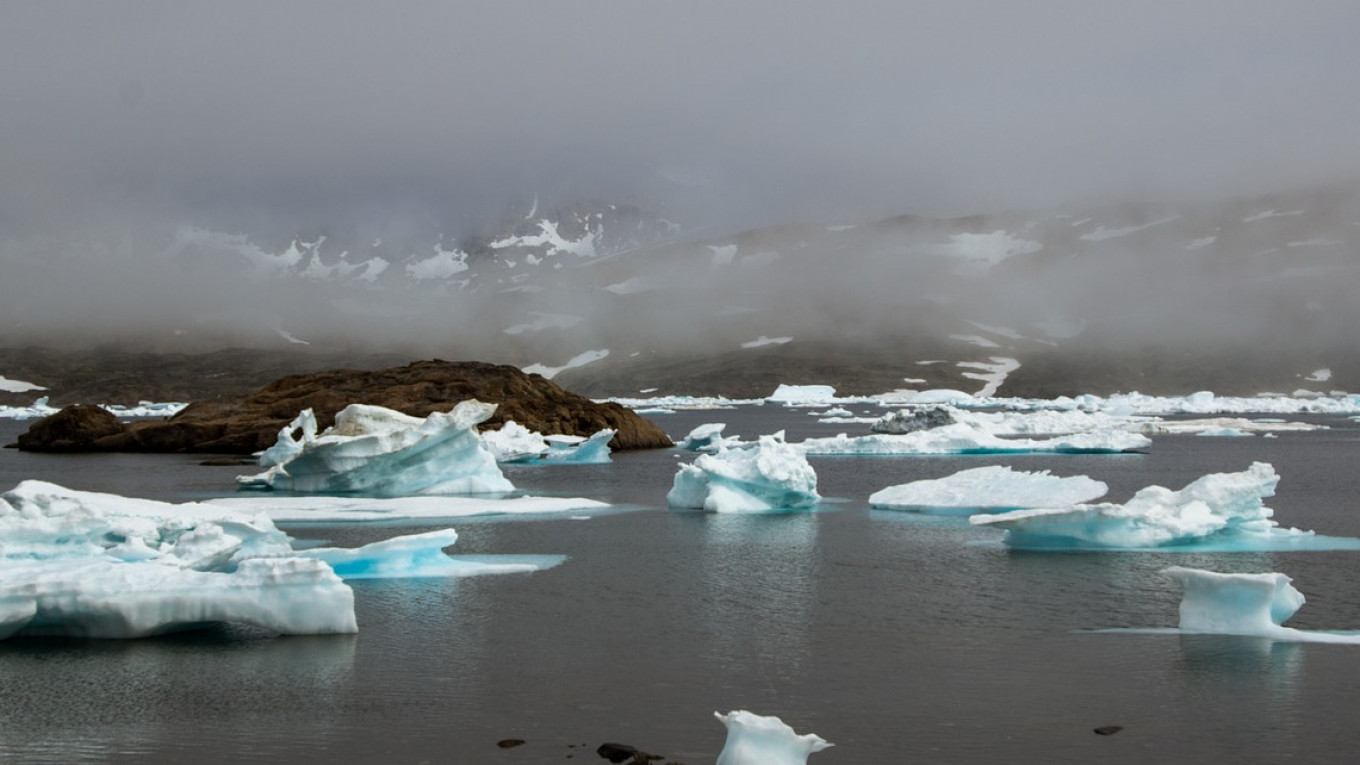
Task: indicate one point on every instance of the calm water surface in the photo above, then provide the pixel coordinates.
(898, 637)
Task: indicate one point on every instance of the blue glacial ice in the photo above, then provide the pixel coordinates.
(754, 739)
(770, 475)
(100, 565)
(968, 438)
(1248, 605)
(995, 488)
(1222, 512)
(375, 450)
(574, 450)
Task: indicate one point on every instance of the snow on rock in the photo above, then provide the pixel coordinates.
(442, 265)
(1102, 233)
(992, 374)
(542, 321)
(764, 341)
(17, 386)
(977, 340)
(579, 360)
(1320, 375)
(1255, 605)
(1220, 511)
(988, 489)
(771, 475)
(939, 396)
(754, 739)
(377, 450)
(966, 438)
(980, 252)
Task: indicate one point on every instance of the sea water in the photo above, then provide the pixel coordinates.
(897, 636)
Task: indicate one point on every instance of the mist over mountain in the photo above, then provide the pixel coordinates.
(1083, 195)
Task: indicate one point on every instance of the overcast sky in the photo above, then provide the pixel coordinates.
(309, 113)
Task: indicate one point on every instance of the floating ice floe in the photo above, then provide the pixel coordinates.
(398, 510)
(803, 395)
(376, 450)
(1202, 402)
(992, 489)
(41, 408)
(1248, 605)
(514, 443)
(754, 739)
(89, 564)
(1220, 512)
(707, 438)
(966, 438)
(771, 475)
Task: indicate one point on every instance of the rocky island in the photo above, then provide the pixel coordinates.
(248, 423)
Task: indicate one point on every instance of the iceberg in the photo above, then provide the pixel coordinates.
(579, 451)
(707, 438)
(514, 443)
(966, 438)
(802, 395)
(1217, 512)
(754, 739)
(100, 565)
(1248, 605)
(770, 475)
(380, 451)
(115, 599)
(995, 488)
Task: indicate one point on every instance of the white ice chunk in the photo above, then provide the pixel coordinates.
(707, 438)
(1255, 605)
(513, 442)
(580, 451)
(802, 395)
(967, 438)
(1226, 508)
(770, 475)
(376, 450)
(754, 739)
(994, 488)
(115, 599)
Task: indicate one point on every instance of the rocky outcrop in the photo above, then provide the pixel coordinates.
(249, 423)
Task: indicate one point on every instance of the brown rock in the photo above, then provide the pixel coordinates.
(73, 429)
(249, 423)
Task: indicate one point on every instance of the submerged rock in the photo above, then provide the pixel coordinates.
(250, 423)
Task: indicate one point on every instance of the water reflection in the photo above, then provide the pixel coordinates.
(758, 575)
(80, 700)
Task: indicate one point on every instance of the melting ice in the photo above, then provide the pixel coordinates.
(968, 438)
(754, 739)
(376, 450)
(994, 488)
(1219, 512)
(1251, 605)
(770, 475)
(100, 565)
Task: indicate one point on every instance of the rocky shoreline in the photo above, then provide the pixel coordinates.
(248, 423)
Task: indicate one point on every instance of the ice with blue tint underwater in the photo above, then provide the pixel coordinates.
(1246, 605)
(771, 475)
(89, 564)
(375, 450)
(1219, 512)
(754, 739)
(574, 450)
(994, 488)
(514, 443)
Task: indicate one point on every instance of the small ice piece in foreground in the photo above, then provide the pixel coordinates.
(377, 450)
(768, 476)
(1214, 506)
(754, 739)
(995, 488)
(1255, 605)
